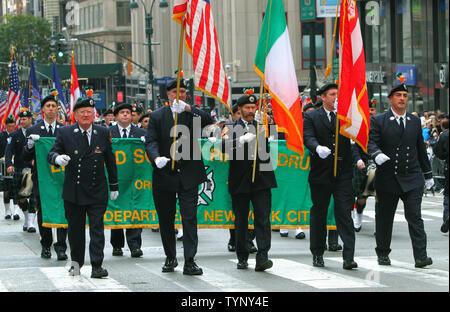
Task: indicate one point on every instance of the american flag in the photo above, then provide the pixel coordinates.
(13, 100)
(202, 44)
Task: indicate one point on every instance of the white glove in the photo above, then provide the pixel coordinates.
(31, 139)
(248, 137)
(143, 139)
(323, 151)
(161, 161)
(381, 159)
(213, 140)
(113, 195)
(62, 160)
(429, 183)
(178, 107)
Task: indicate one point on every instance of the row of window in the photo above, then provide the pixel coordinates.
(91, 17)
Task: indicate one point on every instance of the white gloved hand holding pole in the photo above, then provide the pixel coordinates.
(62, 160)
(161, 161)
(323, 151)
(178, 107)
(31, 139)
(248, 137)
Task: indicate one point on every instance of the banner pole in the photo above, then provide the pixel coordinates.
(180, 59)
(261, 92)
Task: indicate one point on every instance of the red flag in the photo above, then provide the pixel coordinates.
(74, 89)
(13, 100)
(201, 42)
(353, 102)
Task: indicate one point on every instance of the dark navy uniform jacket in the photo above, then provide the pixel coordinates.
(16, 148)
(29, 153)
(408, 162)
(85, 180)
(188, 173)
(317, 130)
(4, 136)
(135, 132)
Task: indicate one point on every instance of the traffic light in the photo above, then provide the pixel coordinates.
(61, 49)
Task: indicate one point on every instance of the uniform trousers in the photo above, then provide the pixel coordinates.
(76, 218)
(384, 220)
(262, 207)
(343, 205)
(134, 239)
(46, 233)
(165, 204)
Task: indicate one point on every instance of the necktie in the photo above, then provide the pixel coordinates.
(402, 124)
(85, 138)
(124, 133)
(50, 132)
(333, 120)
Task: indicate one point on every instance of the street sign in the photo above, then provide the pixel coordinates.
(327, 8)
(307, 10)
(99, 98)
(163, 81)
(409, 72)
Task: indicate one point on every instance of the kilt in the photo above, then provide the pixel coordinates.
(14, 185)
(359, 181)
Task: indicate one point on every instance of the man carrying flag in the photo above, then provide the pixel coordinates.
(13, 100)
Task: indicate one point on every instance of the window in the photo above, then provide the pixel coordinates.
(123, 13)
(403, 17)
(318, 28)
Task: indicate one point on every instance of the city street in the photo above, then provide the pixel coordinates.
(22, 269)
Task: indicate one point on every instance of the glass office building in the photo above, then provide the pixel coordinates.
(409, 37)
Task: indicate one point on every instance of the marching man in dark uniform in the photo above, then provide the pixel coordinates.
(396, 145)
(5, 137)
(84, 149)
(243, 190)
(319, 131)
(124, 129)
(15, 149)
(47, 127)
(188, 174)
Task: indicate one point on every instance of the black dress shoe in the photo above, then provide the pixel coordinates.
(284, 234)
(444, 227)
(31, 230)
(117, 252)
(16, 217)
(136, 253)
(25, 228)
(318, 261)
(260, 267)
(300, 235)
(242, 265)
(170, 265)
(231, 247)
(357, 229)
(349, 264)
(155, 230)
(252, 248)
(46, 253)
(421, 263)
(191, 268)
(384, 260)
(334, 247)
(99, 272)
(8, 217)
(61, 255)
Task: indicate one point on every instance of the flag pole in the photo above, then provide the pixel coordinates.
(261, 92)
(336, 144)
(180, 59)
(328, 70)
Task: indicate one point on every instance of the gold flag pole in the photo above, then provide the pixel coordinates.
(180, 59)
(261, 92)
(336, 144)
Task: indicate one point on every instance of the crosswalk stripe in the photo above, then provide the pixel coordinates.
(429, 275)
(167, 277)
(3, 288)
(60, 278)
(227, 282)
(432, 213)
(397, 217)
(319, 278)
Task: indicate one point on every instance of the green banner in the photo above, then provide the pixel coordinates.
(134, 208)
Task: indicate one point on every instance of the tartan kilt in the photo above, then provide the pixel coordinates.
(14, 185)
(359, 181)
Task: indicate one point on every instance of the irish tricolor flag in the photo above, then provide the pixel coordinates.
(274, 63)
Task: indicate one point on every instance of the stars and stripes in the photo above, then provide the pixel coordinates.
(202, 43)
(13, 99)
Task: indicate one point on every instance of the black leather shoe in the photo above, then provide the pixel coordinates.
(300, 235)
(61, 255)
(318, 261)
(357, 229)
(16, 217)
(231, 247)
(46, 253)
(117, 252)
(252, 248)
(191, 268)
(242, 265)
(384, 260)
(8, 217)
(260, 267)
(170, 265)
(99, 272)
(334, 247)
(284, 234)
(421, 263)
(31, 230)
(349, 264)
(136, 253)
(24, 228)
(444, 227)
(155, 230)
